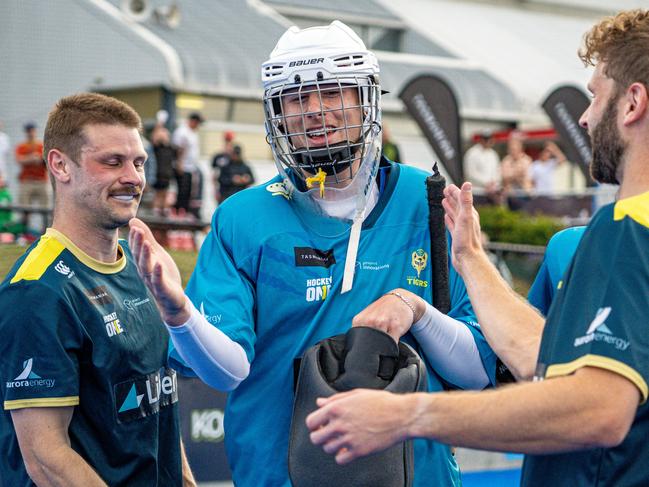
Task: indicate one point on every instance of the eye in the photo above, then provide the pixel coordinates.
(330, 94)
(294, 98)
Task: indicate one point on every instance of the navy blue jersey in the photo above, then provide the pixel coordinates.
(599, 319)
(78, 332)
(270, 276)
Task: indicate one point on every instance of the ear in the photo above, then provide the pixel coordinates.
(636, 102)
(58, 165)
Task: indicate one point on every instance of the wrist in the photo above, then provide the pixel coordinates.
(416, 304)
(179, 316)
(417, 409)
(468, 259)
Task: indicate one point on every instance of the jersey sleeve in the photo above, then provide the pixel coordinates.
(462, 310)
(222, 289)
(602, 321)
(39, 348)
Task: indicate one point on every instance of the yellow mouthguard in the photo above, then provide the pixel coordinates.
(318, 178)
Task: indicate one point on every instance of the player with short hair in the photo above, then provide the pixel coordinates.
(585, 419)
(88, 397)
(337, 228)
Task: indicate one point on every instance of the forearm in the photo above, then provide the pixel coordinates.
(450, 349)
(512, 327)
(557, 415)
(60, 466)
(218, 360)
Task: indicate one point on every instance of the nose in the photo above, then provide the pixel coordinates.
(312, 104)
(132, 174)
(583, 120)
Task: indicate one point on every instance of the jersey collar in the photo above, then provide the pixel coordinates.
(94, 264)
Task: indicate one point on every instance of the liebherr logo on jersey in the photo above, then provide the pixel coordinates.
(29, 378)
(598, 331)
(318, 289)
(144, 396)
(61, 268)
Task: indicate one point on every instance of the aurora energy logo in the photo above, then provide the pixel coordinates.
(599, 331)
(29, 378)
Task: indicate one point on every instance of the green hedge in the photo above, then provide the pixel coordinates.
(503, 225)
(9, 253)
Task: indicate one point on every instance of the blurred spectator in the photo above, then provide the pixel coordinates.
(34, 186)
(222, 159)
(515, 166)
(389, 148)
(482, 164)
(543, 169)
(5, 149)
(188, 175)
(165, 156)
(234, 176)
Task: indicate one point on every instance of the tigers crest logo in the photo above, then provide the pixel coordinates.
(419, 260)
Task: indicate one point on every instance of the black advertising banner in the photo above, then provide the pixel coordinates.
(201, 424)
(564, 106)
(432, 103)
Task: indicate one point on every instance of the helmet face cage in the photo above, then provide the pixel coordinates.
(355, 119)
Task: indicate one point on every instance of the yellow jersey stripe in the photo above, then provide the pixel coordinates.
(635, 207)
(603, 363)
(41, 402)
(38, 260)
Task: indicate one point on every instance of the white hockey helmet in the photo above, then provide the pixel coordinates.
(322, 103)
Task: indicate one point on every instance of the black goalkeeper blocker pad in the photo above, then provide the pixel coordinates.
(361, 358)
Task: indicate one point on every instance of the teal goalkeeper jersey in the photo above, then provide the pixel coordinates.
(558, 255)
(83, 334)
(270, 277)
(599, 319)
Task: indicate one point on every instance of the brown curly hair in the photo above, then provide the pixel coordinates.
(622, 42)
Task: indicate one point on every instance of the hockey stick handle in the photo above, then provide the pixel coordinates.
(435, 184)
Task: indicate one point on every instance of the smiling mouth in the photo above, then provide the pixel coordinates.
(321, 137)
(126, 197)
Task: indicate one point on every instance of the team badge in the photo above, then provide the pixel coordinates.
(419, 260)
(279, 189)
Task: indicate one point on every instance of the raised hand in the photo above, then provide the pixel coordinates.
(159, 272)
(463, 222)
